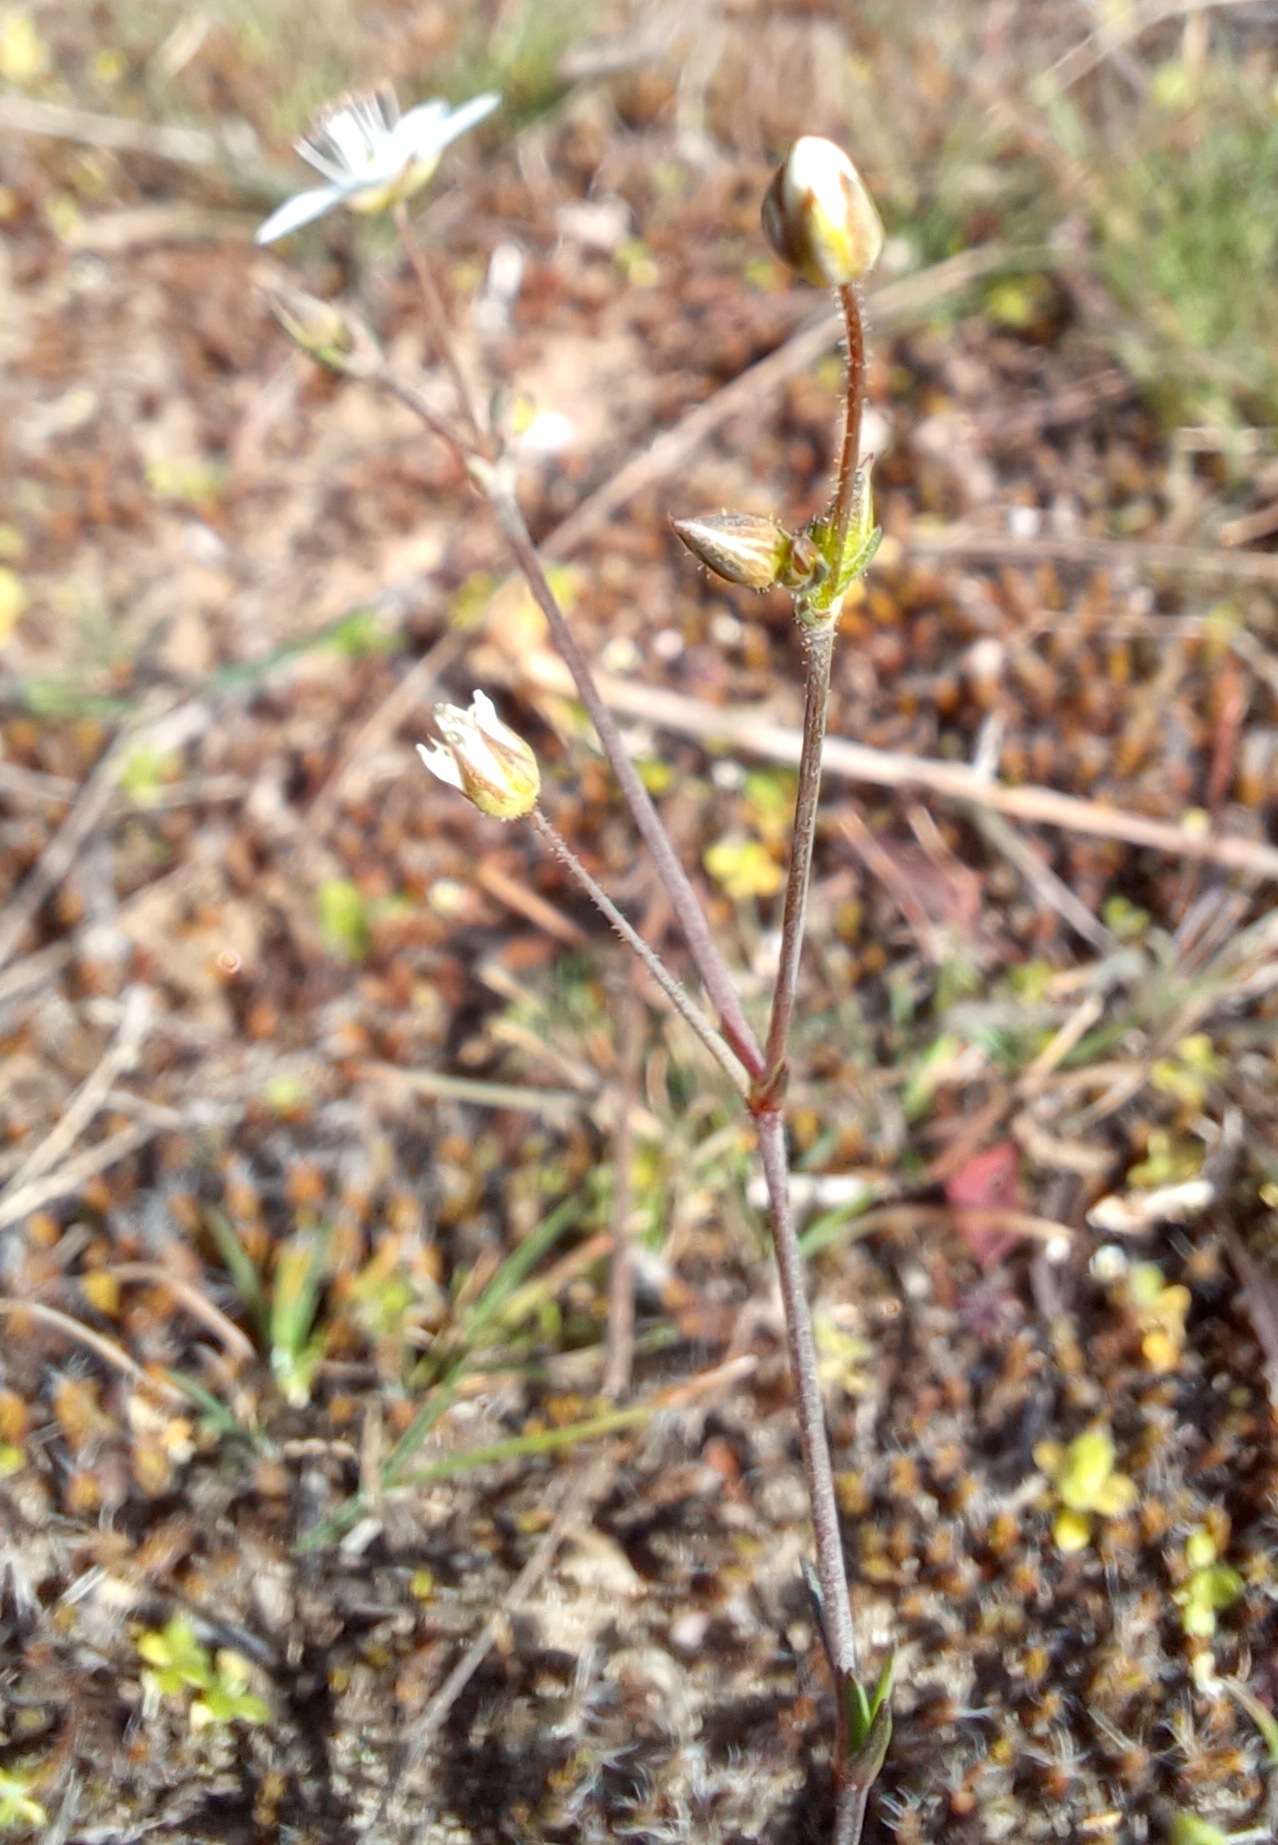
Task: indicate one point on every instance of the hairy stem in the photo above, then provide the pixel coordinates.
(854, 388)
(682, 1002)
(709, 962)
(818, 1471)
(819, 645)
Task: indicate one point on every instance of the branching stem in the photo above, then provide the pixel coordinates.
(691, 917)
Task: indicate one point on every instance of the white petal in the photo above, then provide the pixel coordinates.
(300, 210)
(455, 723)
(439, 761)
(418, 132)
(491, 725)
(424, 131)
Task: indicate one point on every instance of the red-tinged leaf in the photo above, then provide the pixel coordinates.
(990, 1181)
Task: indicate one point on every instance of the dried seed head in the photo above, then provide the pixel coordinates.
(491, 765)
(743, 548)
(819, 218)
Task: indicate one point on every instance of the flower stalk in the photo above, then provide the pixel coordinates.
(437, 319)
(821, 221)
(819, 635)
(710, 964)
(678, 996)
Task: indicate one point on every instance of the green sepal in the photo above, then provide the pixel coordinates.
(867, 1725)
(820, 605)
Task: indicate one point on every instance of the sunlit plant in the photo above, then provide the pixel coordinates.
(821, 222)
(177, 1663)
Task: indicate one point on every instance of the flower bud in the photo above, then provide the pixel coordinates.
(491, 765)
(744, 548)
(819, 218)
(337, 339)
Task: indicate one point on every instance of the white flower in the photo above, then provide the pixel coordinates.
(372, 156)
(491, 765)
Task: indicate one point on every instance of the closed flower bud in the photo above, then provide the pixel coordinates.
(326, 332)
(743, 548)
(491, 765)
(819, 218)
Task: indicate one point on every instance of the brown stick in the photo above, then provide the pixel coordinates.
(750, 729)
(1098, 554)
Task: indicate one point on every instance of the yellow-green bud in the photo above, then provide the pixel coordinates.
(491, 765)
(327, 333)
(744, 548)
(819, 218)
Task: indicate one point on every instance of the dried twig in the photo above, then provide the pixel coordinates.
(373, 735)
(62, 850)
(754, 731)
(69, 1179)
(1147, 559)
(527, 903)
(106, 1349)
(120, 1055)
(187, 1295)
(234, 148)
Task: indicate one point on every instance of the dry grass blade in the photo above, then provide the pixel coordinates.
(583, 1492)
(1148, 559)
(68, 1179)
(121, 1054)
(1260, 1298)
(63, 849)
(106, 1349)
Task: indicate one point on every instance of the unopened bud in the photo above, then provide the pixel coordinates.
(334, 337)
(819, 218)
(744, 548)
(490, 763)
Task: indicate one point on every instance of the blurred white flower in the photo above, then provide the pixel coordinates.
(371, 156)
(490, 763)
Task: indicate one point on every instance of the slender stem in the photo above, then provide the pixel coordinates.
(682, 1002)
(409, 395)
(709, 962)
(849, 1812)
(438, 319)
(840, 1637)
(819, 643)
(854, 388)
(621, 1279)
